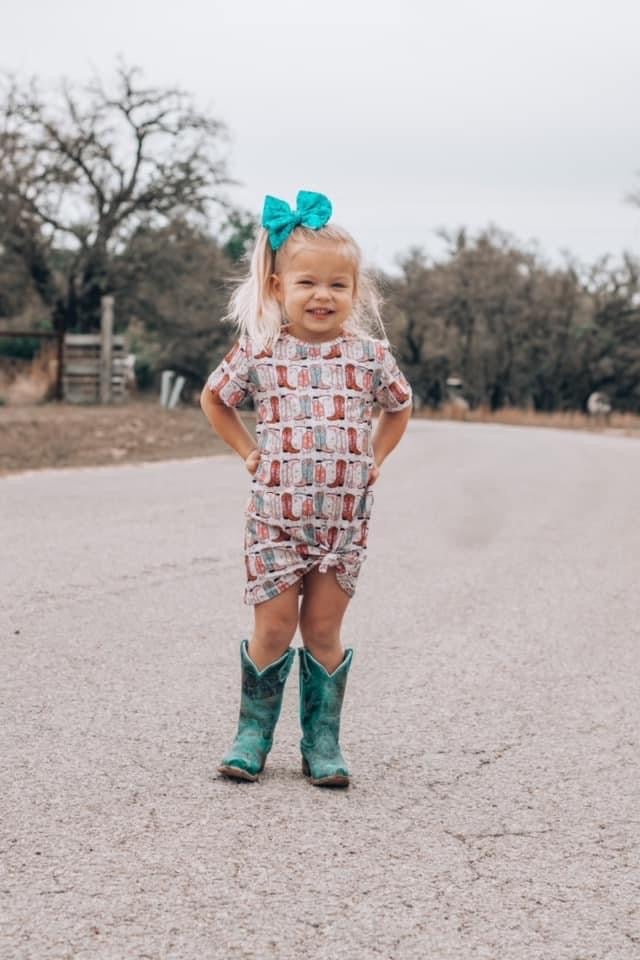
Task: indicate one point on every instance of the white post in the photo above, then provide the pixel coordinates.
(106, 348)
(165, 386)
(175, 393)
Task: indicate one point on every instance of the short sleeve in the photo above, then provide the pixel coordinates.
(230, 381)
(391, 388)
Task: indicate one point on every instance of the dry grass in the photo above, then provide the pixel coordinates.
(71, 435)
(68, 435)
(24, 383)
(626, 423)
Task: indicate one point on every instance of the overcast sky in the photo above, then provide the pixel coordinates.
(408, 115)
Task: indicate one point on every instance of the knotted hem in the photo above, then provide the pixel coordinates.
(271, 587)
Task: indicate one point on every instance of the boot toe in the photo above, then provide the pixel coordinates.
(239, 768)
(242, 767)
(335, 780)
(326, 775)
(236, 773)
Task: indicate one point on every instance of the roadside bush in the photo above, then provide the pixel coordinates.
(22, 348)
(143, 370)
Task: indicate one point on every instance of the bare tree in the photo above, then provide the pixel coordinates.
(81, 170)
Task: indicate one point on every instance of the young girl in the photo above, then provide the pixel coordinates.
(308, 356)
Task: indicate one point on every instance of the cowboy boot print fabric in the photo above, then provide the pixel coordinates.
(310, 504)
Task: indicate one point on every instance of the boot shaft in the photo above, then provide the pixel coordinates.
(321, 696)
(260, 704)
(262, 690)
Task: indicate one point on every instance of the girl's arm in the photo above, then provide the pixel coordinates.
(388, 432)
(229, 427)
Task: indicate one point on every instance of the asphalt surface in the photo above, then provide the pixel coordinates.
(491, 721)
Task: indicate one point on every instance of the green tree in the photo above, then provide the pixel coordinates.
(609, 340)
(239, 234)
(499, 318)
(172, 285)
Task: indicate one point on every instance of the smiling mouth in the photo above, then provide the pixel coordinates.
(320, 313)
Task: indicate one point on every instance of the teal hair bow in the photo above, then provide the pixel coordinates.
(312, 210)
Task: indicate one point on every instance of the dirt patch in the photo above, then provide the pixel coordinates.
(66, 435)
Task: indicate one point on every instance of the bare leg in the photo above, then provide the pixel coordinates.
(276, 621)
(323, 606)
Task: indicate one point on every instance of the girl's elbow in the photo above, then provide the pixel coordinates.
(208, 405)
(402, 415)
(208, 399)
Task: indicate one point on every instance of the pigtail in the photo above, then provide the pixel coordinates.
(366, 318)
(252, 308)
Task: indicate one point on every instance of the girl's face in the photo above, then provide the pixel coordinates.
(315, 288)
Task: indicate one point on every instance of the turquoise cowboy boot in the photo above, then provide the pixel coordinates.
(260, 705)
(321, 696)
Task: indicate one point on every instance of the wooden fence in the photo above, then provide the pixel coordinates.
(94, 364)
(92, 367)
(83, 370)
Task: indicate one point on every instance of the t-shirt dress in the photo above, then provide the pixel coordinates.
(310, 504)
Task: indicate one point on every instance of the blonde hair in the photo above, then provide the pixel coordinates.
(256, 312)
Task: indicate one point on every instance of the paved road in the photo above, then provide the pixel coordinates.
(491, 721)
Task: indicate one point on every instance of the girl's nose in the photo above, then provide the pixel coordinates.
(321, 293)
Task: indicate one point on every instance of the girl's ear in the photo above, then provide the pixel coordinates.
(275, 287)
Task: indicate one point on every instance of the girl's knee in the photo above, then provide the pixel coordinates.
(276, 629)
(321, 631)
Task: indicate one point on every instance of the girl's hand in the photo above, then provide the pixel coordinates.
(252, 461)
(374, 473)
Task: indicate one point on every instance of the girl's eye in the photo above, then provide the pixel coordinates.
(341, 285)
(305, 283)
